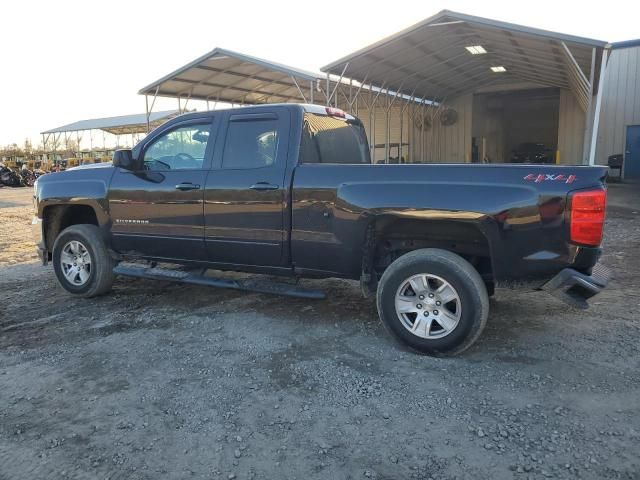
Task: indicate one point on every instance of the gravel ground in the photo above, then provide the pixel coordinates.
(166, 381)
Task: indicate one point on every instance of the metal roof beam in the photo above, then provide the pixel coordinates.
(211, 77)
(551, 83)
(243, 75)
(380, 59)
(580, 85)
(547, 53)
(572, 61)
(536, 43)
(223, 87)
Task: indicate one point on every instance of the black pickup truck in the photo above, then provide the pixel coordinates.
(290, 190)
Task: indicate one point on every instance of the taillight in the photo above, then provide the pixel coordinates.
(587, 216)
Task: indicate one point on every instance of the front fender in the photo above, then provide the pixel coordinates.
(81, 187)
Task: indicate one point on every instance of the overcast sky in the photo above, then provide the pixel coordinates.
(64, 61)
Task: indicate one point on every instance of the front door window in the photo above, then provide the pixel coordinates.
(180, 149)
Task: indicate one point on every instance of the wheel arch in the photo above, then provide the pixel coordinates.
(57, 217)
(388, 237)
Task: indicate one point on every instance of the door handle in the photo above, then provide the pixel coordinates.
(184, 186)
(264, 186)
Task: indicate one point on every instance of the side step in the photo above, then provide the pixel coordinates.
(249, 284)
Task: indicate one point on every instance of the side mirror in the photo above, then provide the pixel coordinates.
(123, 159)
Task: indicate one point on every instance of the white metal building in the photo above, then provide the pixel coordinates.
(619, 131)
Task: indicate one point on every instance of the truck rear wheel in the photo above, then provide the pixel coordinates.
(82, 262)
(433, 301)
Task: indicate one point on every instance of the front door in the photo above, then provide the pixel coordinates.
(632, 153)
(157, 210)
(245, 192)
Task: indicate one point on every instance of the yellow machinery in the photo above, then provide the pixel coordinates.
(12, 164)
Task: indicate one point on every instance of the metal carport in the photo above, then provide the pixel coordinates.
(451, 56)
(237, 79)
(119, 125)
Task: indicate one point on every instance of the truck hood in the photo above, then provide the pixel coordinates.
(91, 165)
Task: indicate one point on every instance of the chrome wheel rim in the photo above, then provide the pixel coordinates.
(428, 306)
(76, 263)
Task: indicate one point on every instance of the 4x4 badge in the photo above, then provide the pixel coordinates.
(543, 177)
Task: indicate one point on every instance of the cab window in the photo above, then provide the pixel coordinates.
(328, 139)
(251, 144)
(180, 149)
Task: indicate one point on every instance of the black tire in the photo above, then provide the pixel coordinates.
(461, 275)
(101, 271)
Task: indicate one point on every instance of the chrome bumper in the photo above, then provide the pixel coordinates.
(38, 238)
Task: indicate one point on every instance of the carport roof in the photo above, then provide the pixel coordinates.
(120, 125)
(429, 59)
(225, 76)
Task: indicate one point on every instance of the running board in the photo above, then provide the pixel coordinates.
(249, 284)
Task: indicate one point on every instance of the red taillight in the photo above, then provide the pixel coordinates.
(587, 216)
(335, 112)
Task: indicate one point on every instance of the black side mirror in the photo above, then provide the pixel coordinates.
(123, 159)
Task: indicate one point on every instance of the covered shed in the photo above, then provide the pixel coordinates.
(460, 88)
(133, 125)
(234, 78)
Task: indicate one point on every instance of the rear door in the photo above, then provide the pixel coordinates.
(157, 210)
(245, 194)
(632, 153)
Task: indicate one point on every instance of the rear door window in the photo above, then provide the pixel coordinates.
(251, 144)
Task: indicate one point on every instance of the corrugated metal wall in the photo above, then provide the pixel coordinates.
(571, 124)
(449, 143)
(620, 102)
(442, 144)
(452, 143)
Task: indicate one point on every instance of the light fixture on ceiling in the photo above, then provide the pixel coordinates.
(476, 49)
(498, 69)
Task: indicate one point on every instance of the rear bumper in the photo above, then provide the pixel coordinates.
(575, 288)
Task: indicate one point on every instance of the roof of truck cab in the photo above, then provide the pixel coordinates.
(307, 107)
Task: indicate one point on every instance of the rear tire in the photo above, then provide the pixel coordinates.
(433, 301)
(82, 262)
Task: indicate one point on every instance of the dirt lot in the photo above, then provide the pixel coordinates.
(165, 381)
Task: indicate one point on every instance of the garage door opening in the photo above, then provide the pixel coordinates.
(515, 127)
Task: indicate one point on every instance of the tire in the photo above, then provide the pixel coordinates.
(99, 277)
(429, 269)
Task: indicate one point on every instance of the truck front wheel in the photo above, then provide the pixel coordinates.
(433, 301)
(82, 262)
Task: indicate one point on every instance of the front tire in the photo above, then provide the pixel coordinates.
(82, 262)
(433, 301)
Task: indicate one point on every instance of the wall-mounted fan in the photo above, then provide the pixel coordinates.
(421, 120)
(448, 117)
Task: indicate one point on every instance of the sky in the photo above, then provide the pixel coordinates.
(63, 61)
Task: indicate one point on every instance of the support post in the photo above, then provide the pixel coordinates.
(327, 92)
(299, 89)
(596, 115)
(336, 87)
(146, 109)
(588, 119)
